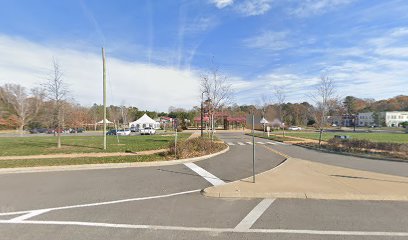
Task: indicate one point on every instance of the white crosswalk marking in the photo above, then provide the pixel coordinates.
(262, 143)
(206, 175)
(256, 213)
(240, 143)
(230, 143)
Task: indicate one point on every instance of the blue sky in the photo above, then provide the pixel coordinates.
(157, 49)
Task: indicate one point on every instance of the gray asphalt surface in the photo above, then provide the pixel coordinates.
(190, 215)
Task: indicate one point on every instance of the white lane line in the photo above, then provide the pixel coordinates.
(253, 215)
(14, 213)
(230, 143)
(272, 143)
(250, 143)
(218, 230)
(206, 175)
(105, 203)
(262, 143)
(29, 215)
(240, 143)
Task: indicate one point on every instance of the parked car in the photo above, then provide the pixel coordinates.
(148, 131)
(294, 128)
(133, 129)
(56, 130)
(111, 132)
(38, 130)
(123, 132)
(76, 130)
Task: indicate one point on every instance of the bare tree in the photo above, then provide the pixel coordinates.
(324, 98)
(57, 92)
(280, 97)
(25, 107)
(264, 104)
(218, 92)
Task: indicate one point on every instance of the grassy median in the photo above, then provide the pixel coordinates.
(272, 137)
(36, 145)
(79, 161)
(374, 136)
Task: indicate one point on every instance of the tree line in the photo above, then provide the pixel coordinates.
(22, 109)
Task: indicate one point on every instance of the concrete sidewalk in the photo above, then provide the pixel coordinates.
(297, 178)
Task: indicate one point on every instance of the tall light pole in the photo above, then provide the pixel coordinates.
(253, 148)
(104, 99)
(202, 99)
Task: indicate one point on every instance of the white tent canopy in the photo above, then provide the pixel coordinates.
(144, 121)
(107, 122)
(263, 121)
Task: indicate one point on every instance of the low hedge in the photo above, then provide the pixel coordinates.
(358, 146)
(195, 147)
(366, 144)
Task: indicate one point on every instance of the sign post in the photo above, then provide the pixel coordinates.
(253, 148)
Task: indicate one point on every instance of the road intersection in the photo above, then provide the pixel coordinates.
(165, 202)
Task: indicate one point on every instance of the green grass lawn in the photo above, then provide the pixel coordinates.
(79, 161)
(19, 146)
(375, 137)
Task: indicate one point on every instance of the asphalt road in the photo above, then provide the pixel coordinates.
(166, 203)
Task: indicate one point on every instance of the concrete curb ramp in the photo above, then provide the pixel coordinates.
(297, 178)
(108, 165)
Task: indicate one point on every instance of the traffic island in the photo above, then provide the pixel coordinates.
(297, 178)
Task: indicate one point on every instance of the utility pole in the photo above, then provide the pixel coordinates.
(253, 148)
(104, 99)
(202, 99)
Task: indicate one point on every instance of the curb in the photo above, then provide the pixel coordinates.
(108, 165)
(237, 194)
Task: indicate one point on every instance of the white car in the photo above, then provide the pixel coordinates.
(123, 132)
(294, 128)
(148, 131)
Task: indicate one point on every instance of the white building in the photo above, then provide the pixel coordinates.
(389, 119)
(394, 119)
(143, 122)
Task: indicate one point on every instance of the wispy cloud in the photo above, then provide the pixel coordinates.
(245, 7)
(307, 8)
(146, 86)
(222, 3)
(201, 24)
(253, 7)
(269, 40)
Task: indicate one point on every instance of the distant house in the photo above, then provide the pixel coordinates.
(388, 119)
(345, 120)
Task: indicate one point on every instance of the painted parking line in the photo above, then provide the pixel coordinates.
(230, 143)
(29, 215)
(272, 143)
(103, 203)
(214, 230)
(256, 213)
(206, 175)
(262, 143)
(240, 143)
(250, 143)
